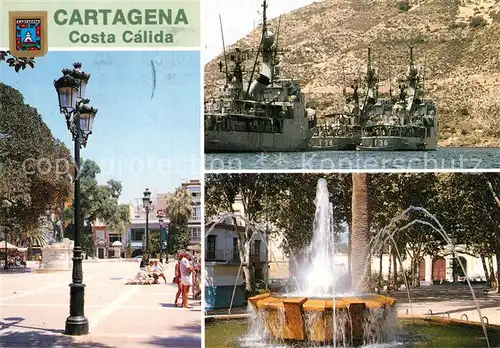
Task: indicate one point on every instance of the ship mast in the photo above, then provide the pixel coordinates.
(412, 81)
(224, 50)
(371, 85)
(371, 79)
(266, 49)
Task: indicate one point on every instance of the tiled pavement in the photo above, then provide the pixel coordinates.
(34, 307)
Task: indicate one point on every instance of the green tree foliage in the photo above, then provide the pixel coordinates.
(290, 205)
(98, 202)
(177, 239)
(35, 167)
(477, 22)
(472, 214)
(392, 194)
(403, 5)
(178, 211)
(220, 195)
(15, 62)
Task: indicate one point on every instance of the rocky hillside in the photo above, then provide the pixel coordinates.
(458, 42)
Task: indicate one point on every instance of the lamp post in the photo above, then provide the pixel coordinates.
(163, 237)
(146, 203)
(79, 117)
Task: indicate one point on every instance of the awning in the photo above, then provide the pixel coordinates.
(195, 247)
(9, 246)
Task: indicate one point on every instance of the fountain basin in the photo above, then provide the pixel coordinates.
(312, 319)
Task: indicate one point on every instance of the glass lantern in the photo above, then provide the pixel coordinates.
(146, 202)
(82, 78)
(87, 115)
(67, 91)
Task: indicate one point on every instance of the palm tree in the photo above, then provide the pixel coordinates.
(32, 237)
(179, 206)
(360, 237)
(178, 211)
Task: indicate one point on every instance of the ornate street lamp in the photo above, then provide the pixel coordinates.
(146, 203)
(79, 120)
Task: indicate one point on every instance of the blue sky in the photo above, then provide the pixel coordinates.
(141, 142)
(238, 26)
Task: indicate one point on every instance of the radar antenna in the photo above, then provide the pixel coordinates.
(276, 48)
(264, 31)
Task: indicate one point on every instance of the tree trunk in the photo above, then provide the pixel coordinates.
(417, 279)
(349, 250)
(380, 270)
(412, 273)
(455, 270)
(29, 256)
(360, 253)
(247, 266)
(389, 269)
(395, 263)
(493, 279)
(498, 267)
(485, 269)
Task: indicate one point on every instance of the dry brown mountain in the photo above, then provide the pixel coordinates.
(459, 41)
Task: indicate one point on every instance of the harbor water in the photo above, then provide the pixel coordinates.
(442, 158)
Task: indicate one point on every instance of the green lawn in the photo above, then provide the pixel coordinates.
(414, 334)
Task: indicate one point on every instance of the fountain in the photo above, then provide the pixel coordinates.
(321, 305)
(320, 310)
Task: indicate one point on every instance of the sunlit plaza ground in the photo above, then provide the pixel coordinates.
(34, 307)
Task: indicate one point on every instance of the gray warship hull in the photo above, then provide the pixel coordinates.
(224, 141)
(394, 143)
(321, 143)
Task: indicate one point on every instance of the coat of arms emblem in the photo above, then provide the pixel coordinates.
(28, 33)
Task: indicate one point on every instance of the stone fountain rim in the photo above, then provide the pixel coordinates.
(326, 298)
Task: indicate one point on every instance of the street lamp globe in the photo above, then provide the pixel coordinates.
(87, 115)
(67, 91)
(82, 78)
(146, 201)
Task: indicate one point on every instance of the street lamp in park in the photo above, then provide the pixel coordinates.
(79, 117)
(163, 236)
(146, 203)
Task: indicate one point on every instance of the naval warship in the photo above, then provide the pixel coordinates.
(407, 123)
(267, 113)
(344, 131)
(340, 131)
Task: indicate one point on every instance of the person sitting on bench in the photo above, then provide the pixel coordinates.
(144, 262)
(158, 269)
(151, 273)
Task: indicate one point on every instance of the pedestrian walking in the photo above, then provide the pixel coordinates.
(187, 271)
(177, 277)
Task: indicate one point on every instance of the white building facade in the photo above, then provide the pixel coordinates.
(194, 223)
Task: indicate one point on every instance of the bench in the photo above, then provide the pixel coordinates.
(487, 291)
